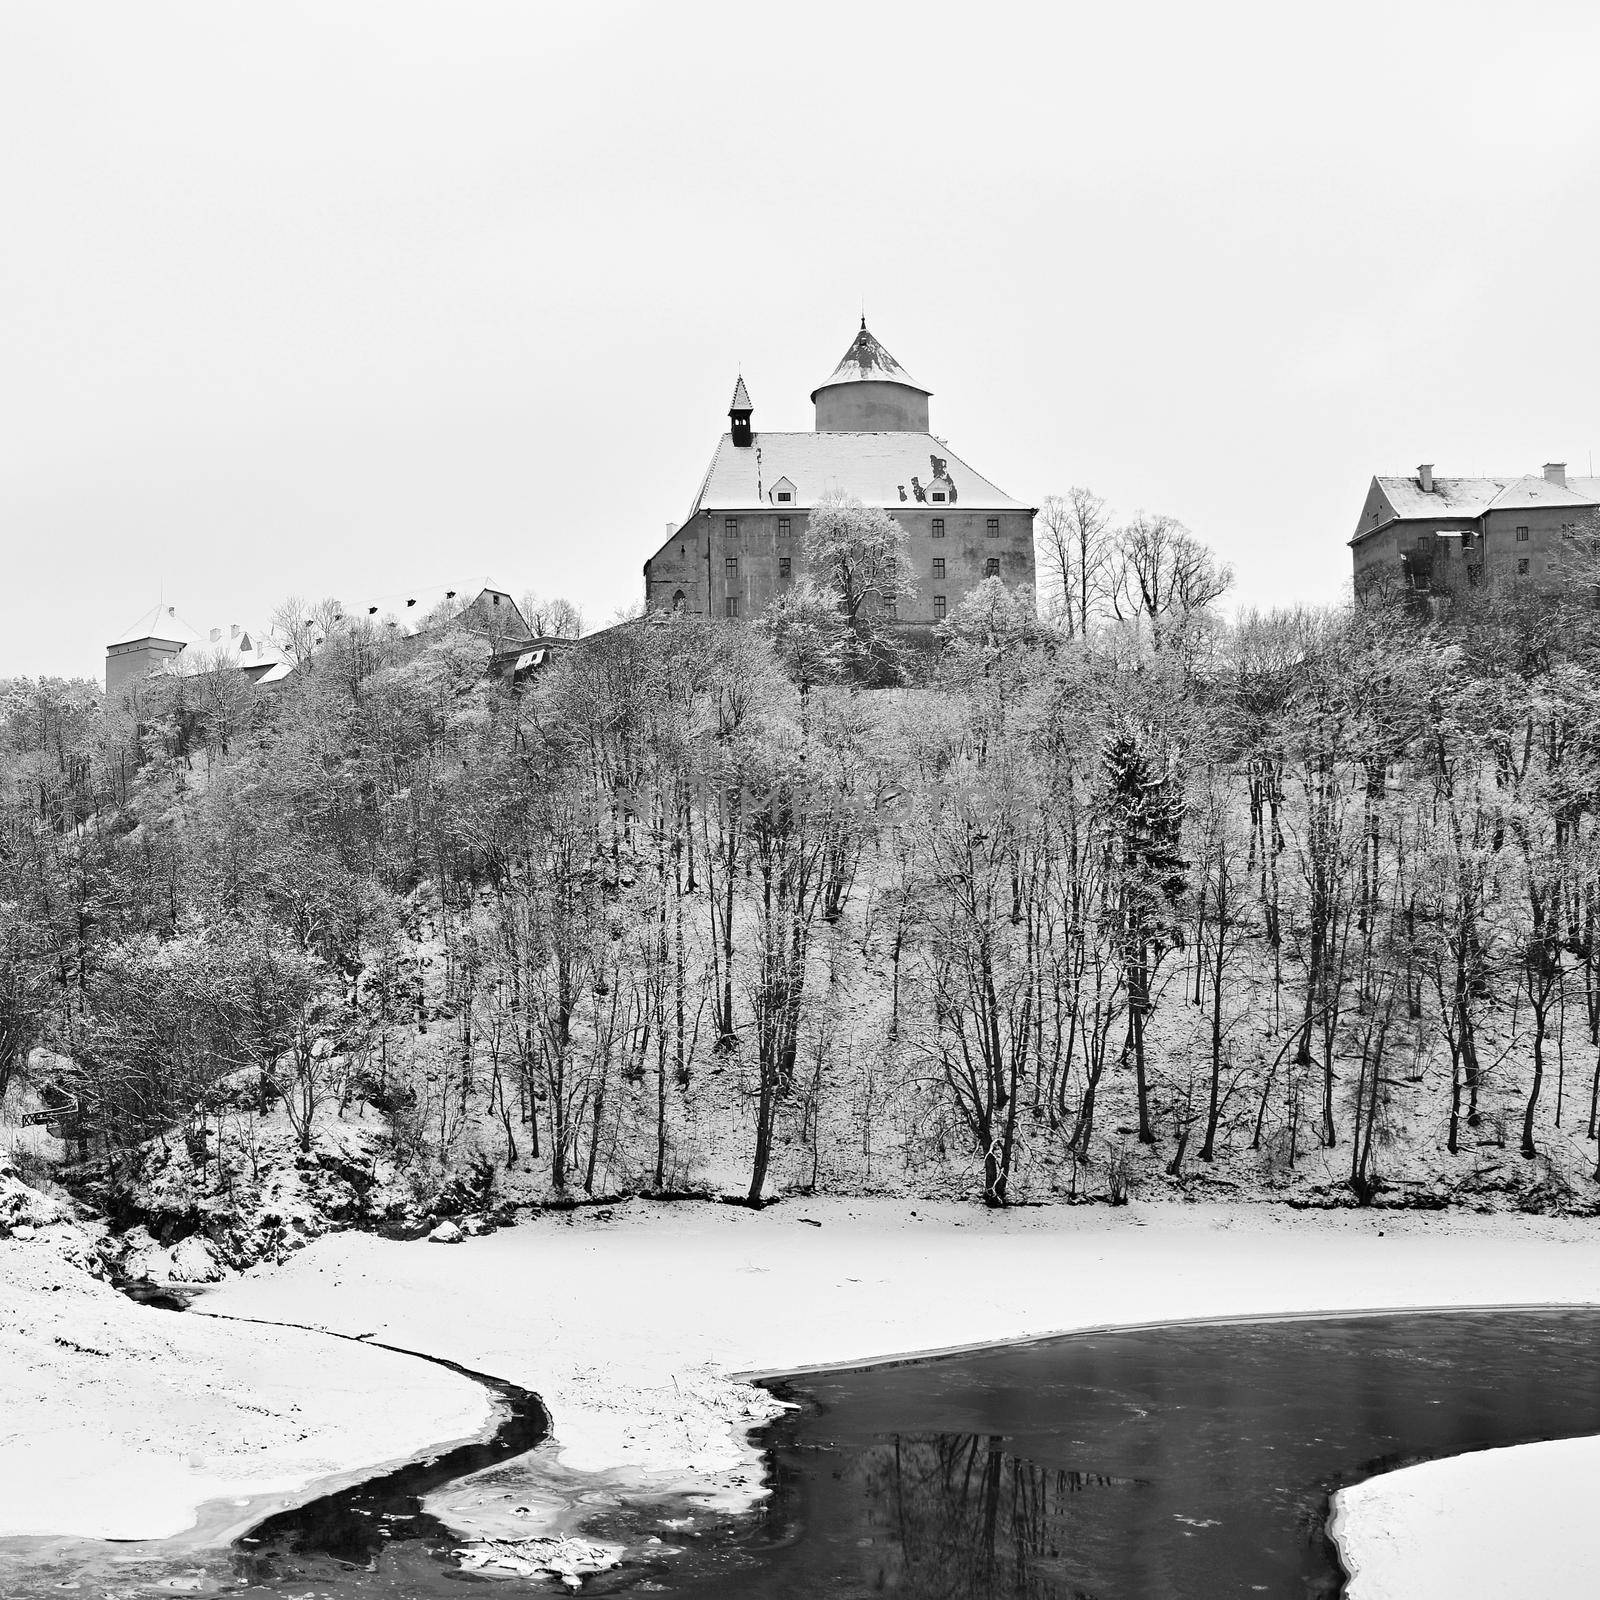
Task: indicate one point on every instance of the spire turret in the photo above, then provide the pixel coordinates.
(739, 413)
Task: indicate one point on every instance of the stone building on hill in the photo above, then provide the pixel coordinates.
(743, 540)
(161, 637)
(1431, 535)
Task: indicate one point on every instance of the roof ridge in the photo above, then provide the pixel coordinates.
(1506, 487)
(705, 478)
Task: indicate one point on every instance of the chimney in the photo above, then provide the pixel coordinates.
(672, 528)
(1425, 477)
(1556, 472)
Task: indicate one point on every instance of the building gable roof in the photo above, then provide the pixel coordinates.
(250, 647)
(1405, 500)
(1537, 490)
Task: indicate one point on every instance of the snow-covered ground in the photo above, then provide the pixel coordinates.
(122, 1422)
(1502, 1523)
(630, 1323)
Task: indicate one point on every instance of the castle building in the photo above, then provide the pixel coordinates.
(414, 616)
(161, 636)
(743, 540)
(1430, 535)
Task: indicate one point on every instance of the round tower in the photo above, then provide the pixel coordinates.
(870, 392)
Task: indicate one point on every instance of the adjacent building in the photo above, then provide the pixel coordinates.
(743, 540)
(159, 638)
(162, 637)
(1431, 535)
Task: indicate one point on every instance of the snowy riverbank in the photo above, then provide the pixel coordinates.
(121, 1422)
(630, 1322)
(628, 1326)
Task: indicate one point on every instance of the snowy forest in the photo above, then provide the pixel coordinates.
(1105, 895)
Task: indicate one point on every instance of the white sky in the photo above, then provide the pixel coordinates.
(341, 299)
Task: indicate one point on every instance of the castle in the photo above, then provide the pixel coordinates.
(743, 540)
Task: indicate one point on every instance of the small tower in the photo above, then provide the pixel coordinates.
(739, 414)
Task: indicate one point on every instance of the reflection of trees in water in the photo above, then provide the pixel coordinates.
(954, 1517)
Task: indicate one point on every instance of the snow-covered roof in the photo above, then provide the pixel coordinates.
(866, 361)
(1472, 497)
(409, 607)
(884, 469)
(428, 604)
(252, 646)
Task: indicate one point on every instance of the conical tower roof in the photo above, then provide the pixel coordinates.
(741, 397)
(866, 361)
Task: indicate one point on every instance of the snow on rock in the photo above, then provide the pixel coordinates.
(570, 1560)
(206, 1202)
(191, 1260)
(446, 1233)
(24, 1207)
(47, 1224)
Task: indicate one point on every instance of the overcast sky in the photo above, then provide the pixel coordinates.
(338, 299)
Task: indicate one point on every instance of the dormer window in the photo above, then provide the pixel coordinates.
(937, 494)
(783, 492)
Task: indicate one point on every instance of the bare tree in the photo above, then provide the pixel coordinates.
(1164, 576)
(1076, 550)
(552, 617)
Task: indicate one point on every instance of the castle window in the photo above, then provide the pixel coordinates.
(891, 607)
(730, 606)
(938, 566)
(993, 528)
(730, 567)
(1522, 535)
(677, 601)
(938, 605)
(991, 567)
(783, 527)
(783, 568)
(938, 527)
(938, 494)
(783, 494)
(730, 526)
(1522, 567)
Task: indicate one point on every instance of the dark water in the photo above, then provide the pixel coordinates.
(1152, 1465)
(1166, 1464)
(379, 1528)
